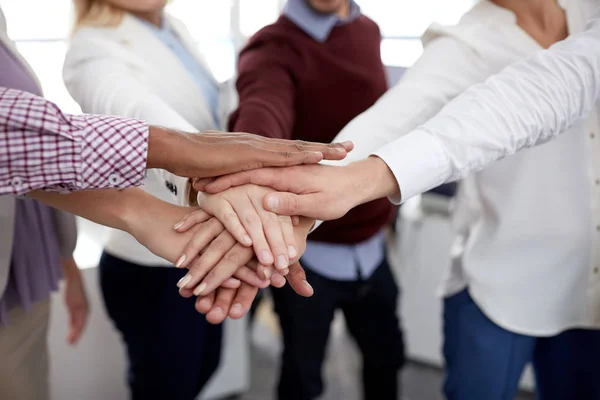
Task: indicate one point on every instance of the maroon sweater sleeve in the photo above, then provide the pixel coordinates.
(266, 89)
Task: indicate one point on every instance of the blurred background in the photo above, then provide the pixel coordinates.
(95, 368)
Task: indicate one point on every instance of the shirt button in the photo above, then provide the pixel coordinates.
(115, 179)
(596, 270)
(597, 181)
(592, 135)
(16, 181)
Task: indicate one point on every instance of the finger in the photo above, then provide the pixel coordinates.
(298, 152)
(204, 235)
(76, 326)
(232, 283)
(204, 304)
(246, 275)
(215, 251)
(273, 230)
(191, 219)
(273, 143)
(266, 271)
(278, 280)
(231, 219)
(297, 280)
(263, 177)
(295, 220)
(243, 301)
(235, 258)
(222, 305)
(253, 224)
(287, 228)
(201, 183)
(187, 293)
(263, 271)
(307, 205)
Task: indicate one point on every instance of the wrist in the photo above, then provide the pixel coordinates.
(160, 142)
(372, 179)
(70, 268)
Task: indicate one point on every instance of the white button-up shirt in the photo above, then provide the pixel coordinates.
(530, 224)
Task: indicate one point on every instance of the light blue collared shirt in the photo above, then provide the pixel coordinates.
(201, 76)
(335, 261)
(315, 24)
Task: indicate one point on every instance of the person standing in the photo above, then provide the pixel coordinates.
(36, 252)
(131, 58)
(305, 77)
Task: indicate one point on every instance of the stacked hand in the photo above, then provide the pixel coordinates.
(243, 231)
(215, 255)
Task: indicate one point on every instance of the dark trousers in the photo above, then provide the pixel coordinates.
(172, 350)
(485, 361)
(370, 311)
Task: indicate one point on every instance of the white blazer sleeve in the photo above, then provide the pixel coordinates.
(528, 103)
(101, 82)
(421, 93)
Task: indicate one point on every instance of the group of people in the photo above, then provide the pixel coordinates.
(523, 282)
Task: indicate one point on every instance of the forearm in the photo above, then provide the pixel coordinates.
(527, 104)
(112, 208)
(43, 148)
(70, 268)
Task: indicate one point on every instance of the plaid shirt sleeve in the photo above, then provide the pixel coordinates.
(44, 148)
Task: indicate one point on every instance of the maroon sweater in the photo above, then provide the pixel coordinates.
(293, 87)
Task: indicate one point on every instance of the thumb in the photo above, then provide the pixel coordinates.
(292, 204)
(297, 280)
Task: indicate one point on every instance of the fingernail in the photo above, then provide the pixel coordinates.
(184, 281)
(340, 150)
(347, 143)
(198, 291)
(292, 252)
(237, 307)
(308, 285)
(282, 262)
(178, 225)
(267, 272)
(217, 310)
(318, 153)
(180, 261)
(273, 203)
(267, 258)
(247, 240)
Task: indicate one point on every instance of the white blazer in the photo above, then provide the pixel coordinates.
(126, 70)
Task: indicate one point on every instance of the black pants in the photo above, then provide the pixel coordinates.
(172, 350)
(370, 311)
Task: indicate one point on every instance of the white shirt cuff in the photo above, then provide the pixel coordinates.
(418, 162)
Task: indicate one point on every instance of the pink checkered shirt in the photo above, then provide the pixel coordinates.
(43, 148)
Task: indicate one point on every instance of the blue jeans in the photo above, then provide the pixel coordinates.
(485, 361)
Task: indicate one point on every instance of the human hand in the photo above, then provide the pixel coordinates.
(296, 276)
(221, 303)
(217, 153)
(316, 191)
(75, 300)
(241, 210)
(217, 250)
